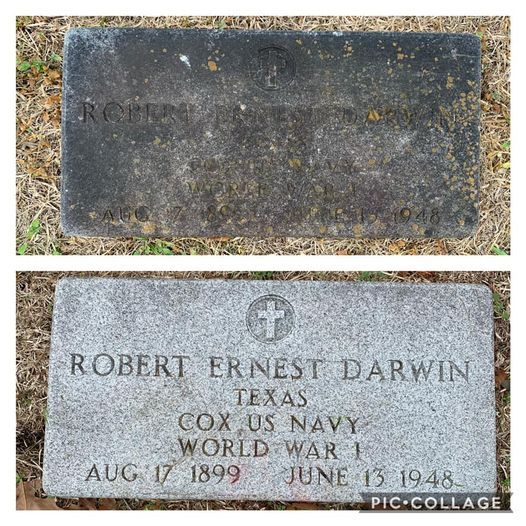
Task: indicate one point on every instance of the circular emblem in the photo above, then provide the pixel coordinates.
(270, 318)
(273, 68)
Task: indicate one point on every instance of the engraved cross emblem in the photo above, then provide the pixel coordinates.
(273, 68)
(263, 315)
(271, 63)
(271, 315)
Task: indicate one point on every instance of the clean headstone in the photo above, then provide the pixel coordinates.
(303, 391)
(266, 133)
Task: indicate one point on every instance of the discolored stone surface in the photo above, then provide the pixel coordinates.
(264, 133)
(235, 389)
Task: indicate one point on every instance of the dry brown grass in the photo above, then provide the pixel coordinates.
(34, 309)
(38, 139)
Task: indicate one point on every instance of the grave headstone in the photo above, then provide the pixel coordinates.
(299, 391)
(270, 133)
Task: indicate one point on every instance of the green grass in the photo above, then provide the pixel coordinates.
(498, 307)
(372, 276)
(32, 231)
(263, 275)
(498, 251)
(36, 65)
(155, 248)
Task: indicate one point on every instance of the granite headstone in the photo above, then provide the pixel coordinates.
(302, 391)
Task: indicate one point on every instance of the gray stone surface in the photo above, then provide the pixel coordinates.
(264, 133)
(390, 377)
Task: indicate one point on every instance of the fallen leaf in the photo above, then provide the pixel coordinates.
(500, 376)
(304, 506)
(107, 504)
(54, 74)
(51, 101)
(86, 504)
(27, 497)
(95, 504)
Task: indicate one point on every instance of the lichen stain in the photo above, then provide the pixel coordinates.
(212, 66)
(148, 228)
(357, 230)
(373, 115)
(420, 230)
(324, 55)
(295, 164)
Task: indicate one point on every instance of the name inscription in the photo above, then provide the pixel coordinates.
(224, 116)
(177, 366)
